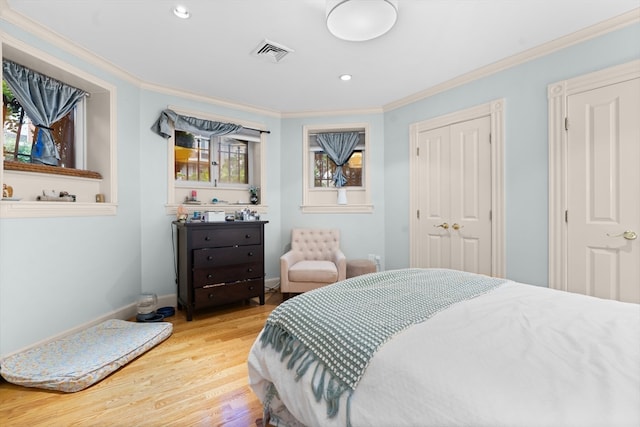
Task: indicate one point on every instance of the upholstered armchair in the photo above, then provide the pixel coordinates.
(315, 260)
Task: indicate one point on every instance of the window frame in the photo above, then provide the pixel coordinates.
(214, 169)
(99, 154)
(249, 166)
(317, 149)
(79, 135)
(324, 199)
(230, 195)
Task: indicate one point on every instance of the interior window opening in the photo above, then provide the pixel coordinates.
(23, 137)
(218, 161)
(324, 168)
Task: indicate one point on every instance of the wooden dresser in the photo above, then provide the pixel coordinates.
(219, 263)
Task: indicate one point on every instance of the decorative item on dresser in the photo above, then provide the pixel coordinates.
(219, 263)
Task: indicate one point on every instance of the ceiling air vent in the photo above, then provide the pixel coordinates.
(274, 52)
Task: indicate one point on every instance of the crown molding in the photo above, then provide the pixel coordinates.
(303, 114)
(73, 48)
(28, 25)
(604, 27)
(217, 101)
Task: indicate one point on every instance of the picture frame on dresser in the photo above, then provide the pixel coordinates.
(219, 263)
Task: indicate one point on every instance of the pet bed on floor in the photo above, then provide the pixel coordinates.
(77, 361)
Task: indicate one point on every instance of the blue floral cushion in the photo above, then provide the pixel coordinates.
(75, 362)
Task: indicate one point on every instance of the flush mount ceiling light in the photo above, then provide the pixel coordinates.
(181, 12)
(361, 20)
(345, 77)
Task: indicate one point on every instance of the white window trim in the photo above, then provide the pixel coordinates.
(43, 62)
(172, 204)
(311, 195)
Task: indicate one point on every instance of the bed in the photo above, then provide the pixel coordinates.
(437, 347)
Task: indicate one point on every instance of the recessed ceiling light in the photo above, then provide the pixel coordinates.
(345, 77)
(181, 12)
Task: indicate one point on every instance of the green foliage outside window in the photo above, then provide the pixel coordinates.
(11, 126)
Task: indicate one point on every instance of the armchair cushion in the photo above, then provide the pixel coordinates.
(314, 271)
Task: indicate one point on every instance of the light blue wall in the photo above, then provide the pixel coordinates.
(361, 233)
(158, 273)
(524, 88)
(59, 273)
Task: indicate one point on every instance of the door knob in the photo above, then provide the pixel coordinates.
(457, 226)
(443, 225)
(628, 234)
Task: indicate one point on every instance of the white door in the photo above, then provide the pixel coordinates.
(434, 189)
(454, 174)
(603, 192)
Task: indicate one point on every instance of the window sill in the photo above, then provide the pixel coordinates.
(228, 208)
(36, 209)
(54, 170)
(338, 209)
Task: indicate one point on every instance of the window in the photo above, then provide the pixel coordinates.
(218, 161)
(85, 138)
(233, 161)
(320, 194)
(20, 133)
(324, 169)
(221, 168)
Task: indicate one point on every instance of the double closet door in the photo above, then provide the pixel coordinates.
(454, 196)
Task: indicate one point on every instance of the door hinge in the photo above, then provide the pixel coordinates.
(417, 151)
(418, 213)
(566, 216)
(566, 123)
(490, 139)
(490, 215)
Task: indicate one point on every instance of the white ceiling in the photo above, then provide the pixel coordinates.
(210, 53)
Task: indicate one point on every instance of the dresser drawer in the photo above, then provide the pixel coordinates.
(220, 257)
(208, 276)
(223, 294)
(223, 237)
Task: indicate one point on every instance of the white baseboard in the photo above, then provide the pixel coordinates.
(271, 284)
(124, 313)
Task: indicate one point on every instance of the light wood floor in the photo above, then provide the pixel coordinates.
(197, 377)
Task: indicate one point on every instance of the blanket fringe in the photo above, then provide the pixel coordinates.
(300, 360)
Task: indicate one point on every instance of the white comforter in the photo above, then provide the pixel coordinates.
(519, 355)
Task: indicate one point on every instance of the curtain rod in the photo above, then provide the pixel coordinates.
(257, 130)
(317, 133)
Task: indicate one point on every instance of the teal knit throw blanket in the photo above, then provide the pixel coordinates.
(342, 326)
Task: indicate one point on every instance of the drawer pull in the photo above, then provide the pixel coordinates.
(209, 276)
(250, 254)
(251, 288)
(207, 238)
(247, 236)
(209, 258)
(210, 296)
(249, 270)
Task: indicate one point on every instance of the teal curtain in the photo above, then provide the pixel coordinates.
(45, 101)
(339, 146)
(169, 121)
